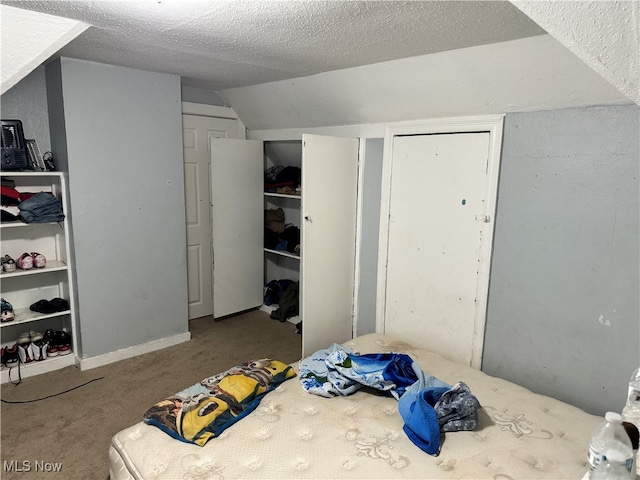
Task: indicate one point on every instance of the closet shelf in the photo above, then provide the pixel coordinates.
(52, 266)
(23, 224)
(25, 315)
(282, 253)
(281, 195)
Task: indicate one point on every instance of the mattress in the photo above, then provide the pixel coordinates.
(294, 434)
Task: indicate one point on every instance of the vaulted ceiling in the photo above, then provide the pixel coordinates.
(284, 63)
(225, 44)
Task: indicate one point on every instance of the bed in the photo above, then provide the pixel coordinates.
(294, 434)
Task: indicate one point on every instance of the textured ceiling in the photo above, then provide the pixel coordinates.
(226, 44)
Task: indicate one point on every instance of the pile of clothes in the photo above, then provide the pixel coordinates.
(282, 179)
(279, 235)
(427, 405)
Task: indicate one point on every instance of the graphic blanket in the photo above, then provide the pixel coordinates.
(427, 405)
(204, 410)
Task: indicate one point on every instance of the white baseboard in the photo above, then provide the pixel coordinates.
(129, 352)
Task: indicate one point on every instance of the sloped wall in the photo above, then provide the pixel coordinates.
(563, 305)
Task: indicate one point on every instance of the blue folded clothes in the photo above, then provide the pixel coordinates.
(42, 207)
(427, 405)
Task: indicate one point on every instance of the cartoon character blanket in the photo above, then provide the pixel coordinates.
(202, 411)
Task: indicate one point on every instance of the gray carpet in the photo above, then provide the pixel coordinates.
(74, 429)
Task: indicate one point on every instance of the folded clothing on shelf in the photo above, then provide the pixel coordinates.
(41, 208)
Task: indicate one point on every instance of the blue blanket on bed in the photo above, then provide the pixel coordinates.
(427, 405)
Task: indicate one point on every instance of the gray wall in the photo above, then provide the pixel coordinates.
(370, 226)
(563, 312)
(118, 132)
(27, 101)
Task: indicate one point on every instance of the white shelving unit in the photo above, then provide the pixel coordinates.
(282, 264)
(23, 288)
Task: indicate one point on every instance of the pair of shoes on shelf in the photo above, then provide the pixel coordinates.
(8, 264)
(27, 261)
(58, 342)
(31, 347)
(50, 306)
(6, 311)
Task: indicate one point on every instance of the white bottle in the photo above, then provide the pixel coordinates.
(631, 411)
(610, 435)
(611, 468)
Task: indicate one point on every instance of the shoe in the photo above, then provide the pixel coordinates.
(24, 351)
(50, 340)
(6, 311)
(28, 337)
(63, 341)
(50, 306)
(38, 260)
(8, 264)
(59, 304)
(25, 262)
(10, 357)
(39, 350)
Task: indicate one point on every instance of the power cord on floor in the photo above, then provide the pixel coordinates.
(54, 395)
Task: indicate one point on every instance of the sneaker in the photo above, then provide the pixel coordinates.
(10, 357)
(25, 262)
(24, 351)
(39, 350)
(6, 311)
(50, 340)
(8, 264)
(63, 343)
(38, 260)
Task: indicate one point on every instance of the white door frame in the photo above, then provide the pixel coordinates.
(486, 123)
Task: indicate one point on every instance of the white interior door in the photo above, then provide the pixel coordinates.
(437, 213)
(197, 130)
(329, 194)
(237, 185)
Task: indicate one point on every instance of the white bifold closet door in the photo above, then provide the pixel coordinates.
(329, 194)
(238, 221)
(436, 222)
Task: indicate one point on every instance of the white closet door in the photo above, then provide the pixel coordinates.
(329, 186)
(197, 130)
(438, 195)
(237, 209)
